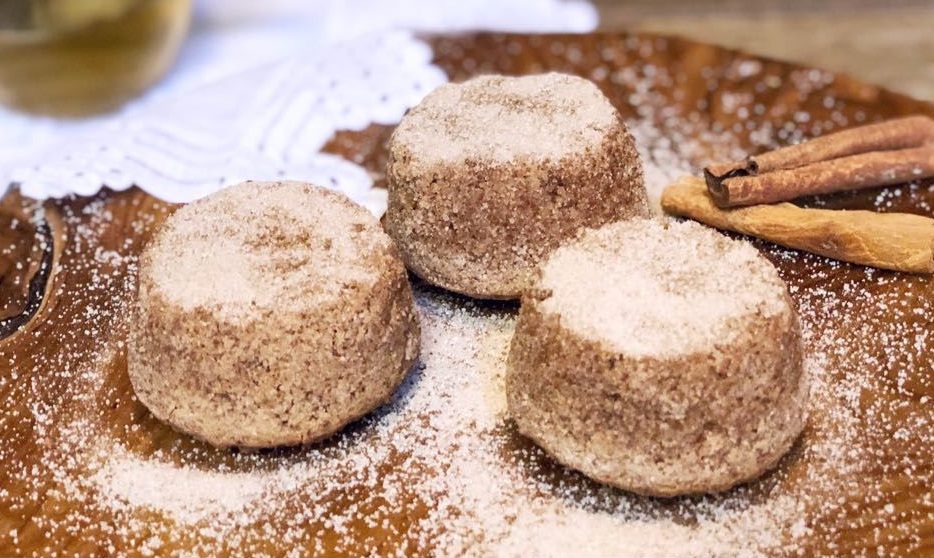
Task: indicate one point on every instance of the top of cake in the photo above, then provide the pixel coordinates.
(659, 287)
(499, 118)
(264, 246)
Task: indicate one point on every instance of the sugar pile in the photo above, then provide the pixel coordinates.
(484, 492)
(439, 470)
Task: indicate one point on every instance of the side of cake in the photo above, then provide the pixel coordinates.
(270, 314)
(637, 362)
(487, 177)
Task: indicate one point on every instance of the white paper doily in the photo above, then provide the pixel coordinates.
(257, 91)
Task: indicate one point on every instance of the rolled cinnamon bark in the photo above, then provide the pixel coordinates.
(896, 241)
(855, 172)
(855, 158)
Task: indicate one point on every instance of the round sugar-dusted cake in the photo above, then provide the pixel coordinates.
(660, 357)
(270, 314)
(488, 176)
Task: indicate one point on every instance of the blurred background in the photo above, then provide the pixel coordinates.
(74, 58)
(49, 48)
(889, 42)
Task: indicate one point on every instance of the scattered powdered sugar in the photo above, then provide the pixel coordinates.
(279, 259)
(650, 287)
(502, 118)
(490, 491)
(661, 163)
(189, 494)
(440, 470)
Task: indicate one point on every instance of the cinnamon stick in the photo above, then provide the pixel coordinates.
(854, 172)
(890, 152)
(895, 241)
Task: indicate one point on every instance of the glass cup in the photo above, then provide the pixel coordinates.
(75, 58)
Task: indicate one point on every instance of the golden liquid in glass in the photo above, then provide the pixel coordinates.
(81, 57)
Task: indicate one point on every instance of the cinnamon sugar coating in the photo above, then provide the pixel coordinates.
(660, 357)
(487, 177)
(270, 314)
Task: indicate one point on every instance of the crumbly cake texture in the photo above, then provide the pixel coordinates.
(270, 314)
(441, 469)
(487, 177)
(660, 357)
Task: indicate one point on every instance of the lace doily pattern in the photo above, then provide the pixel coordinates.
(259, 101)
(266, 123)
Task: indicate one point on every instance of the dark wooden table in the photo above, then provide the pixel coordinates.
(51, 271)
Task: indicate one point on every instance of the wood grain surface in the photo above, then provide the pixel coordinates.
(52, 270)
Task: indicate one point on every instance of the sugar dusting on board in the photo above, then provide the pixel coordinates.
(444, 456)
(440, 470)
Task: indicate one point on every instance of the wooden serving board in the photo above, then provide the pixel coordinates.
(58, 259)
